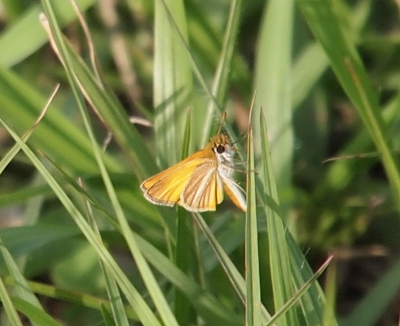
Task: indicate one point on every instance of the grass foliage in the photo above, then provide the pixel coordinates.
(302, 80)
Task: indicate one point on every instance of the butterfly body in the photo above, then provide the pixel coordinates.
(198, 182)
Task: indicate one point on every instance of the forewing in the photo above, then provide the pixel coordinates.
(204, 190)
(166, 187)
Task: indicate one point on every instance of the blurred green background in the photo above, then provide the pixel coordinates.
(322, 97)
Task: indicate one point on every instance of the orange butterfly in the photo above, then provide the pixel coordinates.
(198, 182)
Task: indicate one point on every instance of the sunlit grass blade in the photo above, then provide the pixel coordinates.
(313, 301)
(253, 292)
(324, 20)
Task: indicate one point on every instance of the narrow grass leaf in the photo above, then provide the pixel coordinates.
(114, 295)
(290, 303)
(279, 254)
(22, 288)
(172, 79)
(253, 292)
(36, 315)
(184, 245)
(331, 295)
(73, 297)
(107, 318)
(8, 305)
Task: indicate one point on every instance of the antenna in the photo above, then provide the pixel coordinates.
(223, 118)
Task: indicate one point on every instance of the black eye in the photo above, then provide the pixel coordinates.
(220, 149)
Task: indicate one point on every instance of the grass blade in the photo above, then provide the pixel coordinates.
(8, 305)
(253, 293)
(172, 79)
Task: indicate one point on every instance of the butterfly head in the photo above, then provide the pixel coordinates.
(224, 152)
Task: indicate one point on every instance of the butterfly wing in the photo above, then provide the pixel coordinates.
(204, 190)
(235, 192)
(166, 187)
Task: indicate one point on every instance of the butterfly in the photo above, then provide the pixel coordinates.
(198, 182)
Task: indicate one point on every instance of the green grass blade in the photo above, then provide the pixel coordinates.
(22, 288)
(273, 86)
(172, 79)
(279, 255)
(8, 305)
(114, 295)
(300, 293)
(35, 314)
(253, 297)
